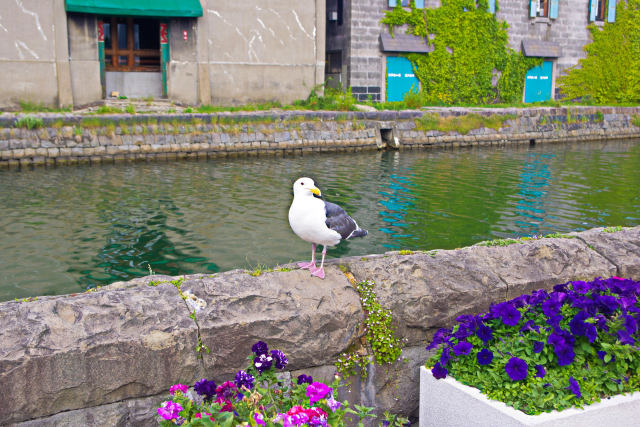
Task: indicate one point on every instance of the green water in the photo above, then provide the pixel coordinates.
(65, 229)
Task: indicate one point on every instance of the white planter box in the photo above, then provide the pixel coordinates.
(449, 403)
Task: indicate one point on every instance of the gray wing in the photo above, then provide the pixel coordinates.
(338, 220)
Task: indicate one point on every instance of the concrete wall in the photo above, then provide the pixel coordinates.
(34, 62)
(83, 58)
(260, 52)
(63, 140)
(236, 53)
(108, 357)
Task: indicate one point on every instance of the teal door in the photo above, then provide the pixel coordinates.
(537, 86)
(400, 78)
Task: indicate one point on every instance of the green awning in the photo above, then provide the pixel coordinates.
(173, 8)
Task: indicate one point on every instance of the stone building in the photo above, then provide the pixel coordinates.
(77, 52)
(362, 55)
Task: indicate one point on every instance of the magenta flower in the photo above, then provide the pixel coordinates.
(178, 387)
(317, 391)
(259, 419)
(169, 410)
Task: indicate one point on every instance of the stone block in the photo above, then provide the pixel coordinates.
(621, 248)
(242, 309)
(65, 353)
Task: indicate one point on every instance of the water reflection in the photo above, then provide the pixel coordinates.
(535, 177)
(66, 229)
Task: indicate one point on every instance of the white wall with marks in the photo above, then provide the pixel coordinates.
(27, 51)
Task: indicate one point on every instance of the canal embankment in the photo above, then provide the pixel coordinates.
(108, 356)
(68, 138)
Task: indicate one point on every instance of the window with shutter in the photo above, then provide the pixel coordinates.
(405, 3)
(539, 8)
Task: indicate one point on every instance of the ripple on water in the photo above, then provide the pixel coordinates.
(69, 228)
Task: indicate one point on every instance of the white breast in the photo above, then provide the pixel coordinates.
(307, 219)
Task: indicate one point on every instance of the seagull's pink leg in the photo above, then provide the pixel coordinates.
(312, 263)
(319, 271)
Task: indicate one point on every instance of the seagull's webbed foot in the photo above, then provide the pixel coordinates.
(318, 272)
(307, 265)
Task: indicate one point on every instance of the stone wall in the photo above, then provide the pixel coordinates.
(108, 357)
(71, 139)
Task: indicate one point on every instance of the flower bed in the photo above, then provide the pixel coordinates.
(549, 350)
(259, 396)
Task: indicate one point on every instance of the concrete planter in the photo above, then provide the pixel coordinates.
(449, 403)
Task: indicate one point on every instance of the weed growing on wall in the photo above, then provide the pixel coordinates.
(29, 122)
(471, 61)
(610, 73)
(461, 124)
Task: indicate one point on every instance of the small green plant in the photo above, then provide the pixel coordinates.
(29, 122)
(31, 107)
(635, 120)
(378, 331)
(405, 252)
(498, 242)
(77, 131)
(612, 229)
(28, 299)
(122, 97)
(130, 109)
(107, 109)
(461, 124)
(559, 236)
(188, 110)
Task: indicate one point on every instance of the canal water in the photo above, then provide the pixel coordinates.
(66, 229)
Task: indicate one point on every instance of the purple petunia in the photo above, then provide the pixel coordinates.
(574, 387)
(304, 379)
(508, 313)
(538, 346)
(279, 359)
(484, 356)
(439, 371)
(462, 348)
(205, 388)
(262, 362)
(260, 348)
(565, 355)
(438, 338)
(244, 379)
(516, 369)
(540, 371)
(445, 356)
(485, 333)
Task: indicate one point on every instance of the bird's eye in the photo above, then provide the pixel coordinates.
(302, 183)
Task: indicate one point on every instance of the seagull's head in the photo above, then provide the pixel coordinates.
(305, 187)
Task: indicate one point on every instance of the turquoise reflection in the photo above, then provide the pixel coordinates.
(534, 181)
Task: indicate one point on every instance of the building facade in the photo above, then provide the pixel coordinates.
(77, 52)
(362, 55)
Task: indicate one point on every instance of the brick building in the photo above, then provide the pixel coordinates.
(362, 55)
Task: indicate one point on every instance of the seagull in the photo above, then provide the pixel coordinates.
(319, 222)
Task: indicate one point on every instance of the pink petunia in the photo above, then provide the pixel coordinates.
(169, 410)
(178, 387)
(317, 391)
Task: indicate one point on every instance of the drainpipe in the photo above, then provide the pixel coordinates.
(164, 54)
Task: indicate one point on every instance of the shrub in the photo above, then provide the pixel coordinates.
(548, 350)
(610, 73)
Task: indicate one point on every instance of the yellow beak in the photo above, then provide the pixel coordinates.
(315, 191)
